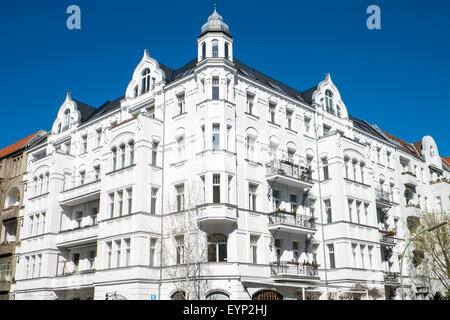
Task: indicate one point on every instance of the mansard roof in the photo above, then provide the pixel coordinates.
(85, 110)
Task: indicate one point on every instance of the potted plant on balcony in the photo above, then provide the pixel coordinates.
(315, 264)
(307, 264)
(277, 209)
(293, 262)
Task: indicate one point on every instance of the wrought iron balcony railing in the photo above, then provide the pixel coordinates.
(292, 268)
(296, 220)
(289, 169)
(382, 195)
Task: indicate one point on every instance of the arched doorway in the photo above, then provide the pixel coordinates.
(267, 295)
(179, 295)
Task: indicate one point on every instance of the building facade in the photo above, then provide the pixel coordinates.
(216, 181)
(13, 163)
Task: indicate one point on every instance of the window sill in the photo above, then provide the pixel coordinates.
(81, 185)
(179, 116)
(251, 116)
(251, 162)
(155, 166)
(273, 124)
(178, 163)
(357, 182)
(291, 130)
(121, 169)
(38, 196)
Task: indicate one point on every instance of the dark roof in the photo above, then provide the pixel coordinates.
(268, 81)
(104, 108)
(172, 75)
(368, 128)
(85, 110)
(405, 146)
(307, 94)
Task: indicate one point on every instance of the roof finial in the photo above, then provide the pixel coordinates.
(214, 7)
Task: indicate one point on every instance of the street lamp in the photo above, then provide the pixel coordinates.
(411, 240)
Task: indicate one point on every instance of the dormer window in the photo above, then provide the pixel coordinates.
(329, 101)
(145, 81)
(215, 49)
(66, 120)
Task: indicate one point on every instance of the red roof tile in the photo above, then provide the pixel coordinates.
(16, 146)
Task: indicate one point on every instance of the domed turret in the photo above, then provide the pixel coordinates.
(215, 40)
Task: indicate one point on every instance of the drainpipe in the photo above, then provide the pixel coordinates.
(320, 201)
(162, 192)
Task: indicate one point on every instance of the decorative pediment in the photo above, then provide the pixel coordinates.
(68, 115)
(319, 96)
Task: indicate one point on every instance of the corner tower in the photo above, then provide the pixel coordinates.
(215, 40)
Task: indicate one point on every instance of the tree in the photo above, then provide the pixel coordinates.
(431, 254)
(184, 248)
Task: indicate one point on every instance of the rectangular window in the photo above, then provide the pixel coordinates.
(131, 152)
(114, 159)
(94, 216)
(43, 222)
(228, 137)
(84, 144)
(325, 169)
(181, 148)
(358, 211)
(152, 252)
(97, 172)
(366, 213)
(379, 155)
(129, 200)
(111, 204)
(331, 255)
(250, 98)
(328, 210)
(289, 114)
(120, 202)
(254, 248)
(181, 103)
(293, 202)
(230, 180)
(216, 188)
(252, 196)
(272, 108)
(307, 125)
(99, 137)
(350, 210)
(278, 249)
(362, 250)
(370, 256)
(180, 197)
(153, 200)
(109, 254)
(127, 252)
(215, 88)
(154, 152)
(122, 156)
(216, 136)
(354, 255)
(203, 188)
(118, 252)
(82, 177)
(250, 148)
(295, 251)
(30, 231)
(79, 219)
(180, 249)
(276, 199)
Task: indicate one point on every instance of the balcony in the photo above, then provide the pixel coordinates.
(75, 278)
(383, 198)
(77, 236)
(391, 277)
(292, 223)
(216, 217)
(80, 194)
(409, 178)
(11, 212)
(287, 269)
(288, 173)
(387, 240)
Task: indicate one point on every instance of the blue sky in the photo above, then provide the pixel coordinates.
(396, 77)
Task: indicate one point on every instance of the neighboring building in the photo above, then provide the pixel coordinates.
(281, 192)
(13, 160)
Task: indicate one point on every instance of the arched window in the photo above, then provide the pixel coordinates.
(203, 50)
(267, 295)
(338, 111)
(59, 128)
(131, 150)
(329, 101)
(145, 81)
(217, 295)
(226, 50)
(215, 49)
(136, 91)
(122, 156)
(179, 295)
(114, 158)
(66, 120)
(217, 247)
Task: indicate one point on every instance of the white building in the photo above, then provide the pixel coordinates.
(277, 180)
